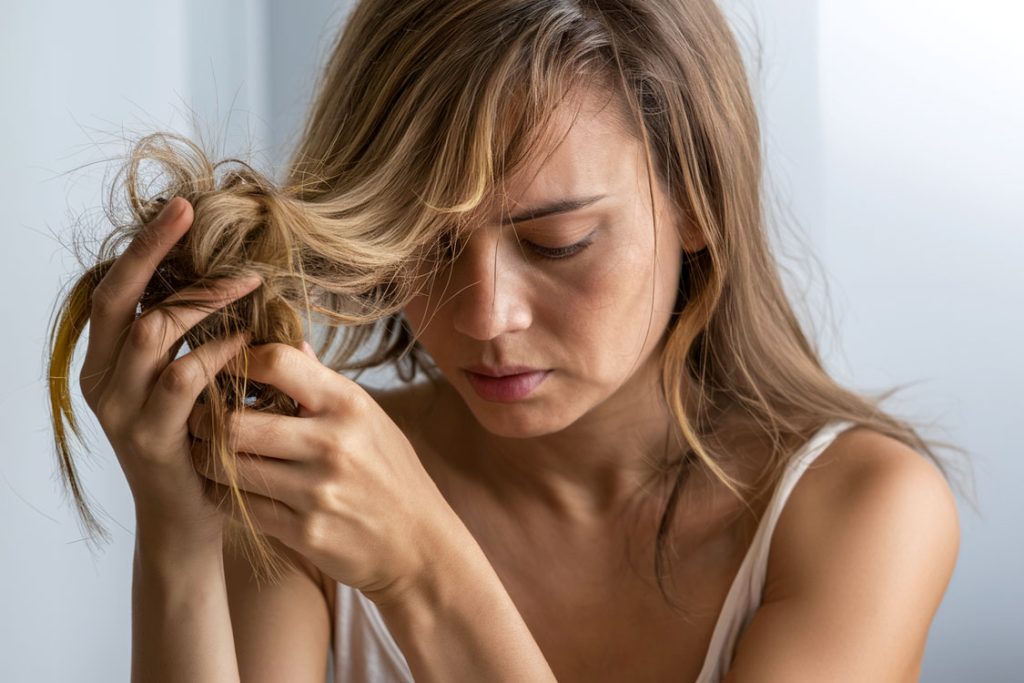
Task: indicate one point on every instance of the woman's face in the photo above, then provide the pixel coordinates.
(580, 298)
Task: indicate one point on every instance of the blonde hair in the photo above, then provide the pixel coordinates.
(424, 107)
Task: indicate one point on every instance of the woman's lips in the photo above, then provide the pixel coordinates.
(507, 388)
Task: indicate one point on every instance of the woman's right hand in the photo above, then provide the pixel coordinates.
(141, 395)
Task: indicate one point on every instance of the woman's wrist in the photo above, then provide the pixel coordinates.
(456, 621)
(442, 551)
(157, 541)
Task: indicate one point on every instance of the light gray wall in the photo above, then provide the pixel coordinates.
(76, 78)
(922, 105)
(70, 75)
(895, 138)
(892, 132)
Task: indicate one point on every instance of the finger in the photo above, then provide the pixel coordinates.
(115, 298)
(145, 353)
(303, 410)
(179, 385)
(252, 431)
(298, 375)
(268, 477)
(270, 517)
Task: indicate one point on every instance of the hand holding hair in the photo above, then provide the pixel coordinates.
(139, 396)
(321, 467)
(339, 483)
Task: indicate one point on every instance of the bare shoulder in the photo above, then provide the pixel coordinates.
(860, 559)
(874, 488)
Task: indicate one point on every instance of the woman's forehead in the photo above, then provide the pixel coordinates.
(591, 156)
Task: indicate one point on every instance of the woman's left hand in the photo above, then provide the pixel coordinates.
(339, 483)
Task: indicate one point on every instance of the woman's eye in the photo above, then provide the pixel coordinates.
(450, 248)
(556, 253)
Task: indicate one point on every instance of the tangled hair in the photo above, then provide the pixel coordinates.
(424, 108)
(316, 264)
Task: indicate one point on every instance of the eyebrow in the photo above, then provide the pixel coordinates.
(552, 208)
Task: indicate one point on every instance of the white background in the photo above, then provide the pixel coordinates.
(893, 137)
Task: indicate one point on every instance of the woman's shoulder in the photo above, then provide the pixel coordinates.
(863, 464)
(865, 486)
(859, 560)
(865, 544)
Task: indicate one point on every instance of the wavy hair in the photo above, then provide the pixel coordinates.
(421, 111)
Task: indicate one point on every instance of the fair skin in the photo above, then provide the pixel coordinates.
(565, 467)
(501, 528)
(543, 483)
(580, 445)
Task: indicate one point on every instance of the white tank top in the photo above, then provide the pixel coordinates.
(364, 651)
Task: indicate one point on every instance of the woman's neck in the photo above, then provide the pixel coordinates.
(591, 473)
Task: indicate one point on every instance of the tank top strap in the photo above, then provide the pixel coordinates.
(744, 596)
(363, 649)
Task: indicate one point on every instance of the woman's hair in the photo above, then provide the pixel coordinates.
(424, 108)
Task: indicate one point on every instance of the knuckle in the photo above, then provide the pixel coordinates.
(104, 410)
(324, 496)
(326, 442)
(277, 356)
(178, 377)
(311, 532)
(139, 441)
(147, 331)
(102, 300)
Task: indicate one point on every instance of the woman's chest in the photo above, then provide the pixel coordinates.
(596, 621)
(619, 634)
(589, 595)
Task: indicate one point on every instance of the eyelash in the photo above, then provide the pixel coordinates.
(559, 253)
(555, 253)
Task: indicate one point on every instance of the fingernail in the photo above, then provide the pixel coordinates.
(246, 282)
(171, 209)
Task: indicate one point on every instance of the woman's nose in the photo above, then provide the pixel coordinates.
(489, 287)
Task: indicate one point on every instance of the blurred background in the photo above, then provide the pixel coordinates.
(893, 139)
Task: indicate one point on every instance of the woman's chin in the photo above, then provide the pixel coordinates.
(515, 420)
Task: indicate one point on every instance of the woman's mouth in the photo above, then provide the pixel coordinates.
(508, 388)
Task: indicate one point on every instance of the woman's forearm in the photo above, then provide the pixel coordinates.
(181, 626)
(458, 623)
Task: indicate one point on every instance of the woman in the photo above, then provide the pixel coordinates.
(628, 463)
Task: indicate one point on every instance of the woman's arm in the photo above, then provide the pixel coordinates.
(457, 622)
(181, 627)
(860, 560)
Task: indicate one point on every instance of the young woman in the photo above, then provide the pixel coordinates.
(628, 463)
